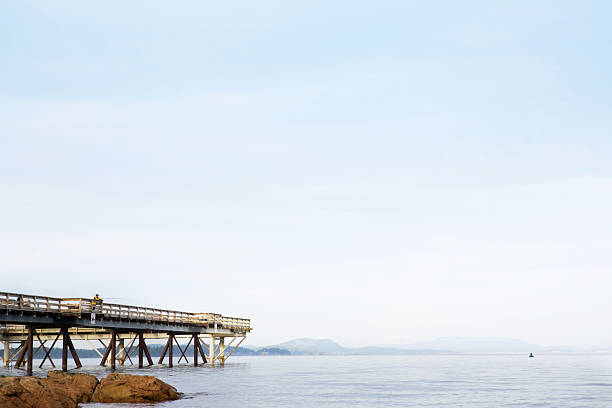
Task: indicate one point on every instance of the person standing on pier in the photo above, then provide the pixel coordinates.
(96, 306)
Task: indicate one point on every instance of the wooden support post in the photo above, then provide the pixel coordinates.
(121, 356)
(64, 349)
(164, 351)
(140, 349)
(211, 351)
(23, 349)
(7, 353)
(30, 345)
(222, 351)
(202, 354)
(106, 354)
(196, 345)
(113, 346)
(146, 351)
(75, 356)
(171, 342)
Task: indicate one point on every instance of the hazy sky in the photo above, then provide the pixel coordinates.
(371, 172)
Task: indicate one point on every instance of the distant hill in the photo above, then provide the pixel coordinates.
(477, 345)
(493, 345)
(307, 346)
(312, 346)
(442, 345)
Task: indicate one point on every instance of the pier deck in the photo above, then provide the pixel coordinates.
(26, 318)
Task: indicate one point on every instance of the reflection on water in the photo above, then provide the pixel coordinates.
(389, 381)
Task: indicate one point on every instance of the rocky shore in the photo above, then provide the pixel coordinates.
(67, 390)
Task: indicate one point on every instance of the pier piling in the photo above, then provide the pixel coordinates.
(113, 353)
(6, 359)
(30, 343)
(170, 353)
(196, 346)
(140, 349)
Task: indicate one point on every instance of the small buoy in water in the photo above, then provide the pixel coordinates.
(530, 354)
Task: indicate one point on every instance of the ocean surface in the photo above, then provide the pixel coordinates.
(548, 380)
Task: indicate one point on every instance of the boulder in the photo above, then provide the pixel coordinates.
(32, 392)
(133, 388)
(67, 390)
(78, 387)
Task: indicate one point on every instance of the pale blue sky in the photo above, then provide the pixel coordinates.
(425, 168)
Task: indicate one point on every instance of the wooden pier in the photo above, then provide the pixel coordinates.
(29, 319)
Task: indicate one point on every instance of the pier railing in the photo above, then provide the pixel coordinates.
(82, 306)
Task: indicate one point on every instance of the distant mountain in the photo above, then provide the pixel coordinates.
(478, 345)
(307, 346)
(442, 345)
(312, 346)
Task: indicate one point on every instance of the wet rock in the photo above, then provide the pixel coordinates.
(67, 390)
(133, 388)
(32, 392)
(78, 387)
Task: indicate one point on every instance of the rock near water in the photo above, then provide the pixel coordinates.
(64, 390)
(79, 387)
(133, 388)
(29, 392)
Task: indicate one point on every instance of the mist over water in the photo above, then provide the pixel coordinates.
(548, 380)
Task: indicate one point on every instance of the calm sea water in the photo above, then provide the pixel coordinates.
(388, 381)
